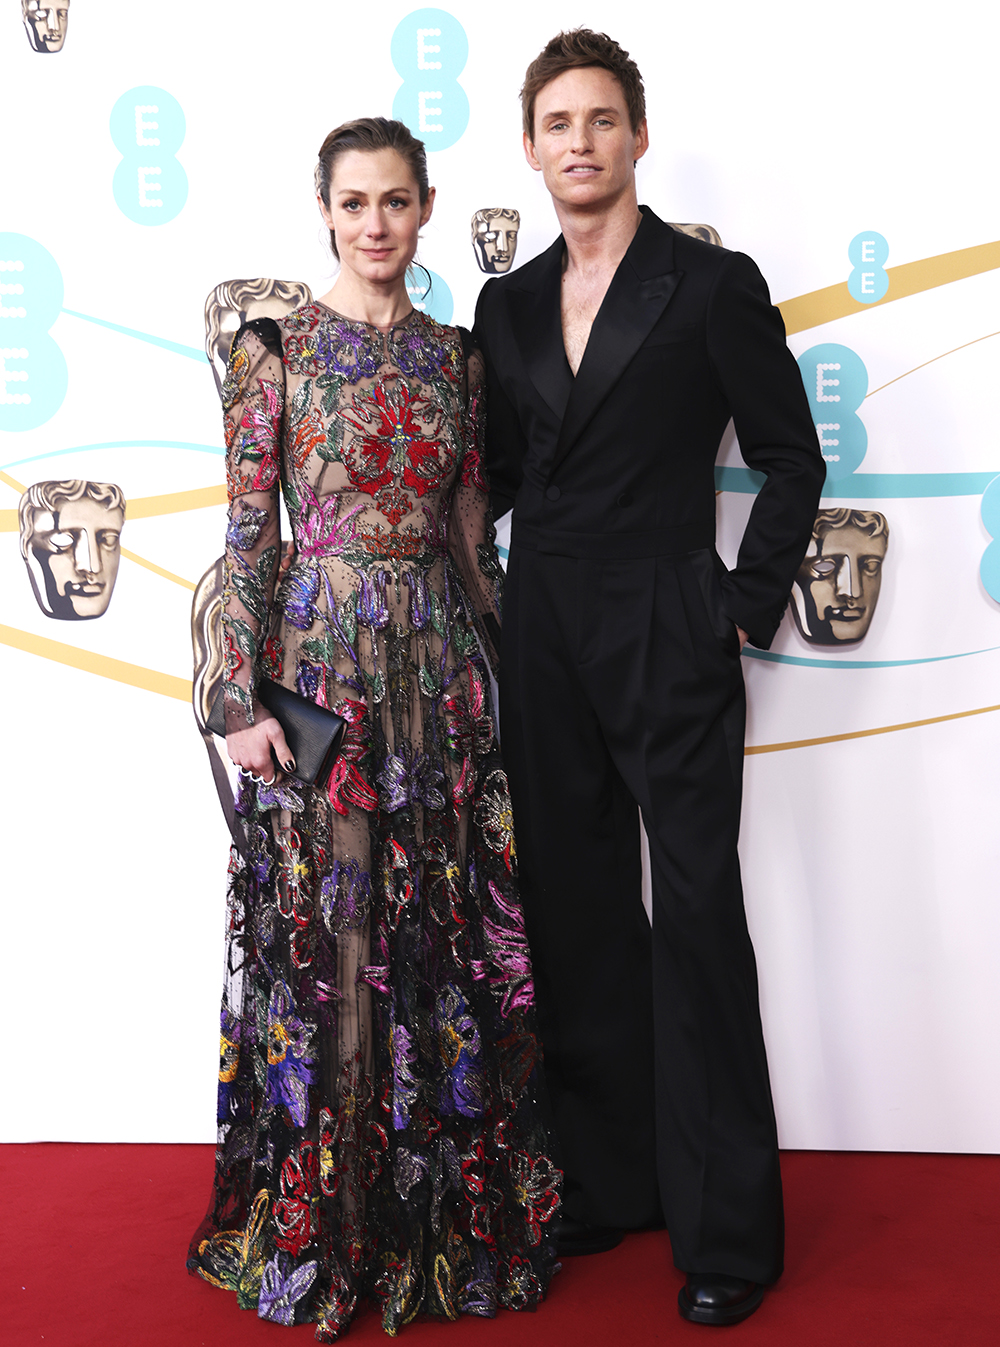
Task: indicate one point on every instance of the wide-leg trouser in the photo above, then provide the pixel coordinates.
(621, 687)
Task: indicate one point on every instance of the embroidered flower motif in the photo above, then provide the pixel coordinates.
(259, 444)
(283, 1286)
(418, 355)
(536, 1188)
(497, 819)
(405, 1084)
(320, 529)
(508, 949)
(245, 528)
(459, 1046)
(420, 600)
(293, 1210)
(345, 896)
(372, 604)
(470, 733)
(298, 596)
(346, 785)
(392, 441)
(273, 659)
(289, 1055)
(409, 777)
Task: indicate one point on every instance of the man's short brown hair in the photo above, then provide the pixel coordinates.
(576, 49)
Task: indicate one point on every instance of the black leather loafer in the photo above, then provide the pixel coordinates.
(714, 1298)
(577, 1237)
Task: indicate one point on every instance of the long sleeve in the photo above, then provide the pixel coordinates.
(471, 535)
(762, 385)
(252, 400)
(503, 443)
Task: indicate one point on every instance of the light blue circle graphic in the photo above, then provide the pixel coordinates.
(33, 375)
(989, 567)
(437, 301)
(836, 382)
(868, 254)
(147, 127)
(429, 50)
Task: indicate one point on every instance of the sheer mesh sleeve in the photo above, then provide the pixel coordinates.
(252, 401)
(471, 535)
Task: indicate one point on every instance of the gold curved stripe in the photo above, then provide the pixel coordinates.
(912, 278)
(150, 680)
(923, 365)
(158, 570)
(865, 734)
(146, 507)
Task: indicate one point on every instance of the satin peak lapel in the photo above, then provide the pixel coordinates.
(536, 318)
(632, 306)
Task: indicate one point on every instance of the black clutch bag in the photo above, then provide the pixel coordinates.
(313, 733)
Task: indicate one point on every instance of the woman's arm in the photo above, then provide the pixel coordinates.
(252, 401)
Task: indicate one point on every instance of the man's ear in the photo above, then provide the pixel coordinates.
(529, 152)
(641, 141)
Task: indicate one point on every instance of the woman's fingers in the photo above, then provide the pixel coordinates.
(250, 749)
(279, 745)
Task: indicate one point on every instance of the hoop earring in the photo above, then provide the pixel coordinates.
(429, 285)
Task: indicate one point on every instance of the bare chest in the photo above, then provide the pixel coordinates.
(581, 299)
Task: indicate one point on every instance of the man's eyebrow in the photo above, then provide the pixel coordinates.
(592, 112)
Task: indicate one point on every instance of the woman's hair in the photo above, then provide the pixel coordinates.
(370, 134)
(576, 49)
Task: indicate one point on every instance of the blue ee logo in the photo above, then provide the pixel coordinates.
(32, 367)
(429, 50)
(868, 254)
(434, 299)
(836, 382)
(989, 567)
(147, 126)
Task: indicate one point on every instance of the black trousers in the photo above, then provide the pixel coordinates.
(621, 690)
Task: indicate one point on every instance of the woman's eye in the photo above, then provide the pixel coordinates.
(397, 203)
(351, 205)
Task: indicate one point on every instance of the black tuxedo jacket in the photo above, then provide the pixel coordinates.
(619, 461)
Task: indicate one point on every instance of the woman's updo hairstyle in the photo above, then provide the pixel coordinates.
(369, 134)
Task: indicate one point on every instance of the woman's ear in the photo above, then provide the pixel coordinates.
(427, 207)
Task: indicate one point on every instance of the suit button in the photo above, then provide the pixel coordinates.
(552, 493)
(626, 498)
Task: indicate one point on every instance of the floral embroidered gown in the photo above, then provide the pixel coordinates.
(379, 1133)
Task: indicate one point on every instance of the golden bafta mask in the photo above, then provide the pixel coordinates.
(494, 238)
(234, 303)
(700, 231)
(71, 544)
(837, 586)
(45, 24)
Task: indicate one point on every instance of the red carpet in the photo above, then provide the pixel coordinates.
(882, 1249)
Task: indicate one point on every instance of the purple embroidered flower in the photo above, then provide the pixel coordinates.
(410, 777)
(229, 1060)
(279, 796)
(289, 1056)
(298, 596)
(348, 349)
(244, 530)
(308, 678)
(405, 1085)
(409, 1168)
(458, 1043)
(372, 605)
(420, 601)
(416, 353)
(282, 1287)
(345, 896)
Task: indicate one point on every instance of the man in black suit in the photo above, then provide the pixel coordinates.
(615, 361)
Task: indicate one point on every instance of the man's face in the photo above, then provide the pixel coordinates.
(77, 549)
(583, 144)
(494, 235)
(839, 587)
(46, 24)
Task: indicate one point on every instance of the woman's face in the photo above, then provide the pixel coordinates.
(375, 212)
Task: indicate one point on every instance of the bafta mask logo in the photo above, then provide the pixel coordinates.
(234, 303)
(71, 544)
(838, 583)
(494, 238)
(700, 231)
(45, 24)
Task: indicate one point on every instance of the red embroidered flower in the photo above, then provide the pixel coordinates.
(293, 1210)
(536, 1188)
(347, 786)
(391, 442)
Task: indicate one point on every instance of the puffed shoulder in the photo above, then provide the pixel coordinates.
(266, 330)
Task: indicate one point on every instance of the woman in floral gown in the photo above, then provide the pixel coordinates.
(379, 1131)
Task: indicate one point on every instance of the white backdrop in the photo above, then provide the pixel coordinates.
(870, 858)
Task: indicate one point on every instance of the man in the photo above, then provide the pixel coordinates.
(71, 545)
(838, 583)
(615, 360)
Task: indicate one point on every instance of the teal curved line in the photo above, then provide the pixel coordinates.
(870, 485)
(773, 658)
(192, 352)
(121, 444)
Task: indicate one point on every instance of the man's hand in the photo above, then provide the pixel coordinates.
(251, 749)
(743, 636)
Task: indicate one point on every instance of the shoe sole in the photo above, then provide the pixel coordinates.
(722, 1316)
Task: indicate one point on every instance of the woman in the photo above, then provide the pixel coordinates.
(379, 1132)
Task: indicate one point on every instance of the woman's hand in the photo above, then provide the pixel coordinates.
(251, 749)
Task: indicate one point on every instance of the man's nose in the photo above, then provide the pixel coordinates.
(583, 141)
(848, 581)
(85, 555)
